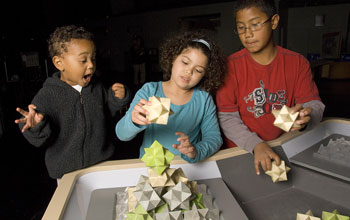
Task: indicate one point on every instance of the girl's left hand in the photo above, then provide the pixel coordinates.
(303, 117)
(185, 147)
(119, 90)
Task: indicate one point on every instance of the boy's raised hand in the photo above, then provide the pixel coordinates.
(138, 114)
(263, 154)
(185, 147)
(303, 117)
(119, 90)
(31, 118)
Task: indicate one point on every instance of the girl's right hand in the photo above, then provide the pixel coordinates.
(138, 114)
(30, 119)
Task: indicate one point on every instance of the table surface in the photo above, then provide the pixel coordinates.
(59, 200)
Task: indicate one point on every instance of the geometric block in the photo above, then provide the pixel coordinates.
(132, 201)
(157, 157)
(159, 110)
(195, 214)
(141, 183)
(213, 214)
(185, 205)
(138, 214)
(284, 119)
(179, 176)
(333, 216)
(198, 201)
(175, 215)
(278, 173)
(147, 197)
(165, 179)
(307, 216)
(177, 195)
(207, 199)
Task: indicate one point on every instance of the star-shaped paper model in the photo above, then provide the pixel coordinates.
(207, 199)
(195, 213)
(121, 207)
(285, 119)
(159, 110)
(198, 201)
(141, 183)
(179, 176)
(177, 195)
(278, 173)
(157, 157)
(147, 197)
(138, 214)
(193, 186)
(307, 216)
(333, 216)
(132, 201)
(165, 179)
(175, 215)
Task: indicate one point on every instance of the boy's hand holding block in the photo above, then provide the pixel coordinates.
(159, 110)
(285, 119)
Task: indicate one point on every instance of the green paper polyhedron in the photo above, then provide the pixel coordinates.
(333, 216)
(198, 201)
(157, 157)
(138, 214)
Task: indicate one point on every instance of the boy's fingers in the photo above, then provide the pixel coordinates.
(25, 127)
(21, 111)
(257, 169)
(268, 165)
(277, 159)
(31, 106)
(117, 86)
(296, 108)
(20, 121)
(263, 165)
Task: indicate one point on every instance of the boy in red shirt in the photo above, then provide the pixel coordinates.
(262, 77)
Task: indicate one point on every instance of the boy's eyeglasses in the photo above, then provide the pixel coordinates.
(252, 27)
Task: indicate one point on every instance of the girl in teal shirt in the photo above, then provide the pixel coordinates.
(193, 66)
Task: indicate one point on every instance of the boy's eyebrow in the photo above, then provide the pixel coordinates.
(86, 53)
(249, 19)
(82, 53)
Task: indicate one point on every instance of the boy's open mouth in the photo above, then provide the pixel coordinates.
(87, 77)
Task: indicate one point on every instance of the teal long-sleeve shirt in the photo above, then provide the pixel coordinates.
(197, 119)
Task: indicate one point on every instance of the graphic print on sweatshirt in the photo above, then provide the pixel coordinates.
(264, 100)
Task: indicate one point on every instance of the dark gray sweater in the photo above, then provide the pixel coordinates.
(74, 128)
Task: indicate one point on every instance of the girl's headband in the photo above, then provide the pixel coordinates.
(203, 42)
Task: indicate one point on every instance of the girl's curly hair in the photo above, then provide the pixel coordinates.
(176, 43)
(62, 35)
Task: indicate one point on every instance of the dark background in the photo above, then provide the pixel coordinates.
(26, 188)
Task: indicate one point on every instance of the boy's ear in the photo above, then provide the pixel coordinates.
(274, 21)
(58, 62)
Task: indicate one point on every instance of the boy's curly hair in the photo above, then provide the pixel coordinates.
(176, 43)
(266, 6)
(62, 35)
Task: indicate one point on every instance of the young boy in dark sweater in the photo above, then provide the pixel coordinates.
(68, 115)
